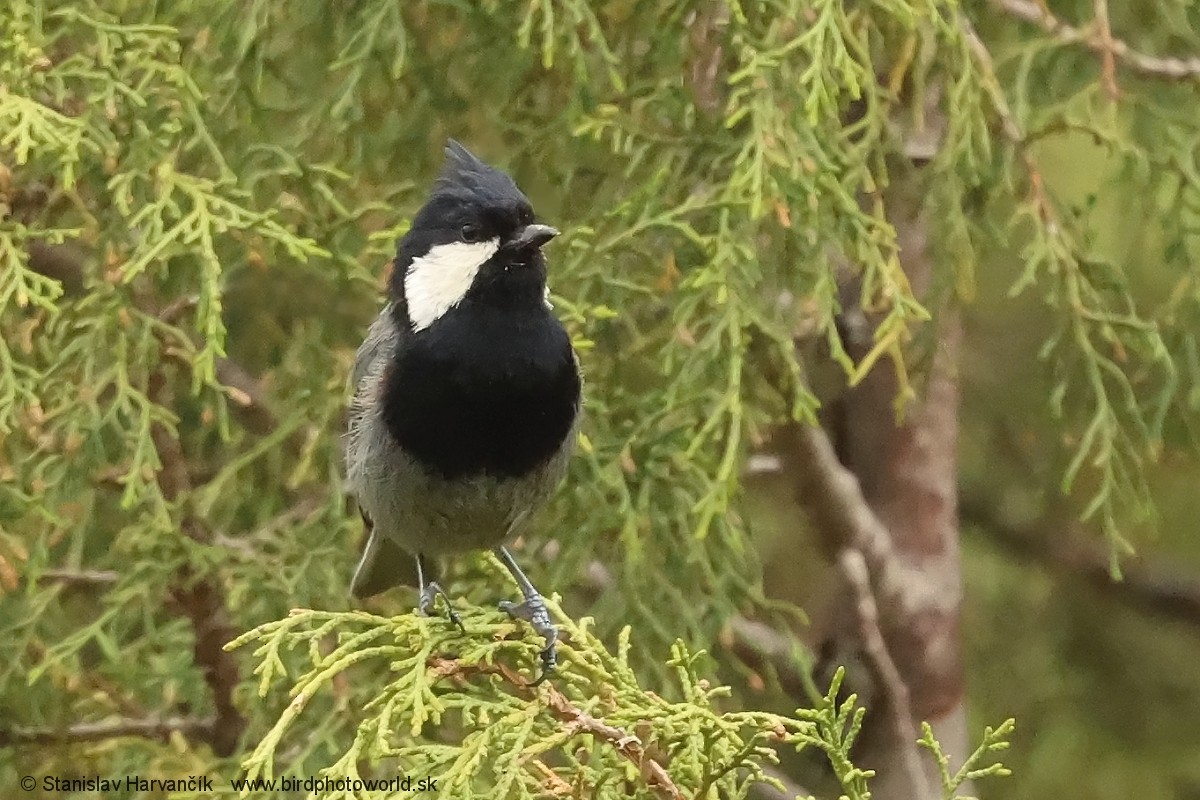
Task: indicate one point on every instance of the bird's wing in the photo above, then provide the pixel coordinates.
(383, 564)
(366, 379)
(381, 340)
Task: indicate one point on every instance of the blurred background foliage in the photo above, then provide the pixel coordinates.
(226, 181)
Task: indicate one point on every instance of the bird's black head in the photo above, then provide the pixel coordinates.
(474, 237)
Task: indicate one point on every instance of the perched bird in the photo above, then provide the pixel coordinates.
(466, 391)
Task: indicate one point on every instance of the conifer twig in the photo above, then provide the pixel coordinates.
(766, 791)
(1010, 128)
(65, 263)
(854, 568)
(1168, 67)
(628, 745)
(554, 784)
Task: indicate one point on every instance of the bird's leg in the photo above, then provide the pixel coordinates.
(533, 610)
(429, 594)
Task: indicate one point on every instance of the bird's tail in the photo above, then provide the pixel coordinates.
(384, 564)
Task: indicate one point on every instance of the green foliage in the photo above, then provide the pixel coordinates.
(234, 176)
(449, 706)
(994, 739)
(1120, 362)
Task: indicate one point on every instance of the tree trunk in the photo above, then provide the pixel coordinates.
(907, 472)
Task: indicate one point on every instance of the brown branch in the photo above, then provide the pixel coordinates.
(754, 643)
(551, 780)
(763, 648)
(95, 731)
(577, 720)
(200, 600)
(831, 494)
(887, 489)
(1106, 42)
(1149, 586)
(60, 262)
(1167, 67)
(705, 29)
(854, 568)
(249, 401)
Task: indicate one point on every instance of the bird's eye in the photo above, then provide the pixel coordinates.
(471, 232)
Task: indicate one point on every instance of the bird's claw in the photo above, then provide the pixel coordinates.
(533, 610)
(429, 595)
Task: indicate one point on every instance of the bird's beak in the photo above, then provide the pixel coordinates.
(533, 236)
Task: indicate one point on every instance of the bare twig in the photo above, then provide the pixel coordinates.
(1105, 42)
(1167, 67)
(1149, 586)
(579, 721)
(832, 495)
(553, 783)
(94, 731)
(761, 647)
(854, 568)
(82, 577)
(246, 392)
(754, 643)
(705, 28)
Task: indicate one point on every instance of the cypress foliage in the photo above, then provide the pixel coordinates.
(197, 205)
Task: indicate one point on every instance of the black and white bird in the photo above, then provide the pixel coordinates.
(466, 391)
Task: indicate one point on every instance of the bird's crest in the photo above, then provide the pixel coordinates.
(461, 160)
(464, 171)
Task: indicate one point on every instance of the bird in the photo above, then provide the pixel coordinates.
(466, 393)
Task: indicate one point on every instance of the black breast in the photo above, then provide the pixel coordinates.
(484, 392)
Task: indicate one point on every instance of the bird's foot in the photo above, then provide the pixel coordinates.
(533, 610)
(429, 594)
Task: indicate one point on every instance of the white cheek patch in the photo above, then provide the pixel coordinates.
(438, 281)
(546, 299)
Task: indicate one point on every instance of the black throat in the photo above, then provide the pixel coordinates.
(491, 388)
